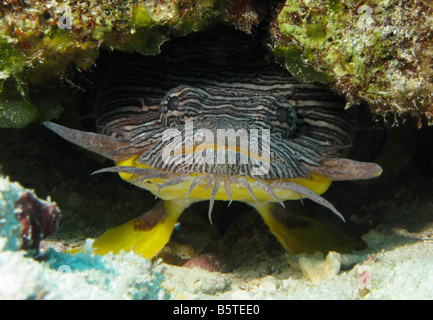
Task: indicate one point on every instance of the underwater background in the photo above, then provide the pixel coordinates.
(377, 55)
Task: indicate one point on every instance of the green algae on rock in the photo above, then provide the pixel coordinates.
(39, 39)
(10, 227)
(376, 51)
(16, 110)
(34, 31)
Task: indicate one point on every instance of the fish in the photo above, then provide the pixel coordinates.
(213, 117)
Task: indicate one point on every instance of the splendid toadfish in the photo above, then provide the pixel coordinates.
(211, 118)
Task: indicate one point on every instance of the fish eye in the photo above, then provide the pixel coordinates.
(173, 103)
(282, 114)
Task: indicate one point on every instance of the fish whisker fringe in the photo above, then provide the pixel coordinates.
(215, 188)
(128, 169)
(268, 189)
(172, 182)
(158, 175)
(211, 177)
(143, 173)
(307, 193)
(234, 180)
(227, 187)
(196, 181)
(247, 186)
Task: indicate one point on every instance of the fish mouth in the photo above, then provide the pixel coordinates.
(205, 186)
(251, 155)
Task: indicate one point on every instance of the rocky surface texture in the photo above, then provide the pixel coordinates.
(379, 52)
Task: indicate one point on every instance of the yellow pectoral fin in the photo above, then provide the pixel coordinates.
(299, 234)
(145, 235)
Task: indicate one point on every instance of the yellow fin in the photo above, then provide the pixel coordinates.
(299, 234)
(145, 235)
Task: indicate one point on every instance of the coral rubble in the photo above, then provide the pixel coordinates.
(39, 39)
(379, 52)
(24, 220)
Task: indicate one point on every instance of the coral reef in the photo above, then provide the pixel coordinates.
(376, 51)
(16, 112)
(243, 14)
(39, 39)
(49, 34)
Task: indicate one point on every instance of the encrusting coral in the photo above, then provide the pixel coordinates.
(39, 39)
(24, 219)
(380, 52)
